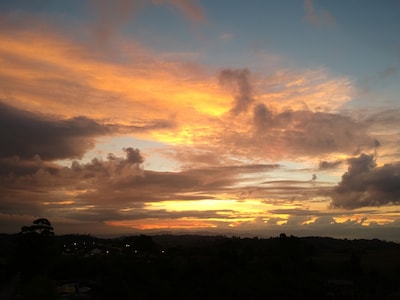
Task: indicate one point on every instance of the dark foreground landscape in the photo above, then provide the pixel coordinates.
(197, 267)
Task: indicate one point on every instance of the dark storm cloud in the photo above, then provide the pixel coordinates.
(365, 184)
(26, 134)
(239, 81)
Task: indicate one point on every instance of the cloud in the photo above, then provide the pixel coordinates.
(326, 225)
(195, 112)
(320, 18)
(101, 190)
(46, 191)
(327, 165)
(226, 37)
(388, 72)
(26, 135)
(188, 8)
(239, 81)
(73, 79)
(257, 128)
(225, 131)
(307, 89)
(280, 191)
(17, 166)
(299, 212)
(385, 118)
(33, 141)
(133, 156)
(366, 184)
(118, 192)
(111, 15)
(309, 133)
(371, 81)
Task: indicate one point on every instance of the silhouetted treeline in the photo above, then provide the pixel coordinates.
(202, 267)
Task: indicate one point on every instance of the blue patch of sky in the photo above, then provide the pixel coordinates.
(150, 150)
(163, 29)
(356, 44)
(153, 159)
(367, 35)
(69, 8)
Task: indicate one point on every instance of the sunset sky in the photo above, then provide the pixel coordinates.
(246, 118)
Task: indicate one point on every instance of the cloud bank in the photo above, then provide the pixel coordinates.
(366, 184)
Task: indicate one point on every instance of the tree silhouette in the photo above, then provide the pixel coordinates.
(40, 226)
(35, 247)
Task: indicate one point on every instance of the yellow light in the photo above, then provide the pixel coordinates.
(310, 221)
(66, 202)
(189, 205)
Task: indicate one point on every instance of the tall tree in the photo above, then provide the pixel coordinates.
(40, 226)
(36, 248)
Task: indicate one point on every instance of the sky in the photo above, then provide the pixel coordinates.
(245, 118)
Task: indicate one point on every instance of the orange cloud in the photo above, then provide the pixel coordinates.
(314, 90)
(55, 75)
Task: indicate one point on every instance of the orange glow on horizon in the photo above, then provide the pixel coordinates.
(217, 213)
(151, 224)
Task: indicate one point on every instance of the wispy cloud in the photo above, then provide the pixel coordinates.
(111, 15)
(318, 18)
(226, 37)
(189, 8)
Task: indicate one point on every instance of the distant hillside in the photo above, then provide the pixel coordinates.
(203, 267)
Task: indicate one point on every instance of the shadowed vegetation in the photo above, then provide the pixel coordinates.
(204, 267)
